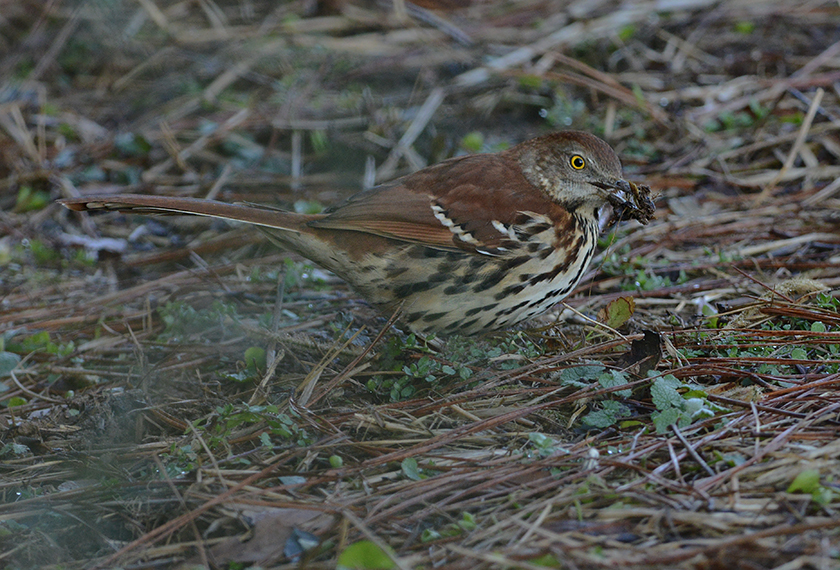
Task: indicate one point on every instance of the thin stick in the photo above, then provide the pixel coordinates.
(691, 451)
(424, 115)
(797, 145)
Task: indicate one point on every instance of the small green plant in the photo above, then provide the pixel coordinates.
(649, 281)
(828, 302)
(545, 445)
(38, 342)
(607, 415)
(413, 471)
(808, 481)
(29, 199)
(182, 320)
(42, 253)
(14, 449)
(180, 460)
(130, 144)
(409, 373)
(607, 412)
(365, 555)
(626, 32)
(546, 561)
(731, 121)
(473, 142)
(531, 82)
(744, 27)
(227, 418)
(306, 207)
(255, 358)
(467, 523)
(736, 345)
(399, 356)
(679, 404)
(8, 362)
(565, 112)
(711, 315)
(297, 274)
(519, 347)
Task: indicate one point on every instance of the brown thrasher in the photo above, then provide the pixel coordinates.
(472, 244)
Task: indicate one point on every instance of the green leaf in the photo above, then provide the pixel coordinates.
(429, 535)
(697, 408)
(540, 439)
(307, 207)
(255, 357)
(240, 376)
(823, 496)
(617, 312)
(799, 353)
(14, 449)
(8, 362)
(544, 444)
(29, 199)
(319, 140)
(547, 560)
(581, 376)
(467, 522)
(529, 81)
(472, 142)
(364, 555)
(664, 393)
(292, 479)
(744, 27)
(817, 327)
(695, 393)
(807, 481)
(625, 33)
(607, 416)
(411, 470)
(599, 419)
(732, 459)
(614, 378)
(664, 419)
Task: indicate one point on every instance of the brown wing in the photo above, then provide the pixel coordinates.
(389, 211)
(451, 205)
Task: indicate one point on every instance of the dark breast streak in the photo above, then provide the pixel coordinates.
(446, 291)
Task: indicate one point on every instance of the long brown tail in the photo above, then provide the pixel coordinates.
(262, 216)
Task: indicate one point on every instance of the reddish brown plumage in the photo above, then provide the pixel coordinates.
(470, 244)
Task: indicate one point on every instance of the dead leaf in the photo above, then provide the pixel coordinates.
(617, 312)
(272, 528)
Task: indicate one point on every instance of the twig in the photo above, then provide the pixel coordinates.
(797, 145)
(690, 449)
(424, 115)
(27, 391)
(824, 194)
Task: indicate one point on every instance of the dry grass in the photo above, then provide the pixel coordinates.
(136, 432)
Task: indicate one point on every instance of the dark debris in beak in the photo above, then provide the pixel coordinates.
(631, 202)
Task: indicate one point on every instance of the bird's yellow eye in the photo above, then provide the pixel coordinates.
(577, 162)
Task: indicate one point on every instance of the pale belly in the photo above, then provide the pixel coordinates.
(454, 292)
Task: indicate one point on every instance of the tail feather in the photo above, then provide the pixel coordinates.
(261, 216)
